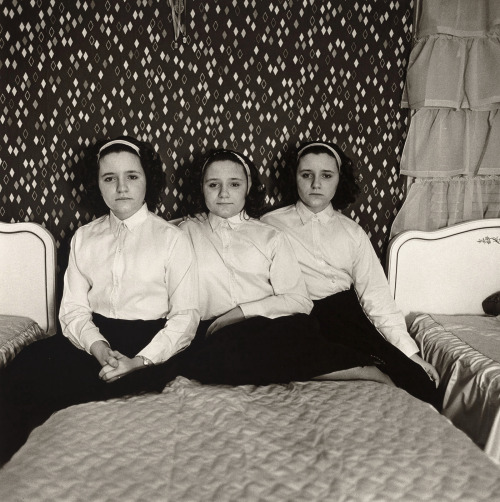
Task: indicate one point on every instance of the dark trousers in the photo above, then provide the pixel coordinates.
(52, 374)
(261, 351)
(343, 321)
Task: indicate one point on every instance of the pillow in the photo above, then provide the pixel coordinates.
(491, 305)
(16, 333)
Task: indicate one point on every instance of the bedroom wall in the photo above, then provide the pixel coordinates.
(252, 75)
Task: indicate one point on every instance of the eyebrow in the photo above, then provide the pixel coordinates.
(229, 179)
(321, 171)
(132, 171)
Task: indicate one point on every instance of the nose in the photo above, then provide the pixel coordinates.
(122, 185)
(316, 182)
(223, 192)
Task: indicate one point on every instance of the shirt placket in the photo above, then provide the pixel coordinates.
(319, 255)
(117, 270)
(227, 257)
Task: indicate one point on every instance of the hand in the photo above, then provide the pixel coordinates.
(200, 217)
(104, 354)
(126, 365)
(233, 316)
(428, 368)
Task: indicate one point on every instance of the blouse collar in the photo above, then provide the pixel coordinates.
(131, 222)
(306, 215)
(233, 222)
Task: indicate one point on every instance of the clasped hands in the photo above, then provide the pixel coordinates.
(114, 363)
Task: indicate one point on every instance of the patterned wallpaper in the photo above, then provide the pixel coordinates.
(256, 76)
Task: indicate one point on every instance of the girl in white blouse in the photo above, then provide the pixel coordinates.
(344, 278)
(129, 304)
(254, 304)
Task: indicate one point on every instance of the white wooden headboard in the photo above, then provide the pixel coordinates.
(28, 273)
(446, 271)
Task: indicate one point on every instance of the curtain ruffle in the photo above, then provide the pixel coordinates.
(462, 18)
(444, 143)
(434, 204)
(451, 72)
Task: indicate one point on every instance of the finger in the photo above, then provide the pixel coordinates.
(105, 369)
(113, 362)
(113, 379)
(107, 372)
(436, 376)
(210, 329)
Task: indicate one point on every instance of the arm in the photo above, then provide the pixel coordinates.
(375, 297)
(378, 304)
(75, 313)
(181, 282)
(290, 292)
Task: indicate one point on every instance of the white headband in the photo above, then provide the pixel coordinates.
(230, 152)
(324, 145)
(118, 142)
(234, 154)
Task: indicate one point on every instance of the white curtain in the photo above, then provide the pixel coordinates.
(452, 151)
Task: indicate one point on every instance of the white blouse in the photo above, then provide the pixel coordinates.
(244, 262)
(139, 268)
(335, 253)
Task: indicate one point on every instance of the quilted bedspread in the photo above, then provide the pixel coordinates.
(332, 441)
(465, 349)
(17, 332)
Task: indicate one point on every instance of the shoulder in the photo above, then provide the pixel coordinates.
(192, 226)
(352, 229)
(196, 230)
(266, 236)
(95, 227)
(262, 226)
(162, 224)
(282, 217)
(165, 231)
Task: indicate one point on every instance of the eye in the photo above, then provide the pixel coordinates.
(327, 176)
(108, 179)
(133, 177)
(212, 185)
(305, 175)
(235, 184)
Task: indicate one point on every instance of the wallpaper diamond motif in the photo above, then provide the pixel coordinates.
(252, 75)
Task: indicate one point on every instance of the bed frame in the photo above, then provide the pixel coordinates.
(28, 273)
(446, 271)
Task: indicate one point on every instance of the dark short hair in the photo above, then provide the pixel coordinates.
(255, 199)
(347, 189)
(150, 162)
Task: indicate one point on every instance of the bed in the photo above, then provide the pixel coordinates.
(27, 295)
(314, 441)
(440, 280)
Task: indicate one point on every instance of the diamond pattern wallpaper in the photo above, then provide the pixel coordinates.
(257, 76)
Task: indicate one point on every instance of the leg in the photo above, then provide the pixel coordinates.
(33, 386)
(359, 373)
(343, 320)
(52, 374)
(261, 351)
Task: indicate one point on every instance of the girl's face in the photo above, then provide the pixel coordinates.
(317, 180)
(225, 188)
(122, 182)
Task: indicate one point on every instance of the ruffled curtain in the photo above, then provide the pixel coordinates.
(452, 151)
